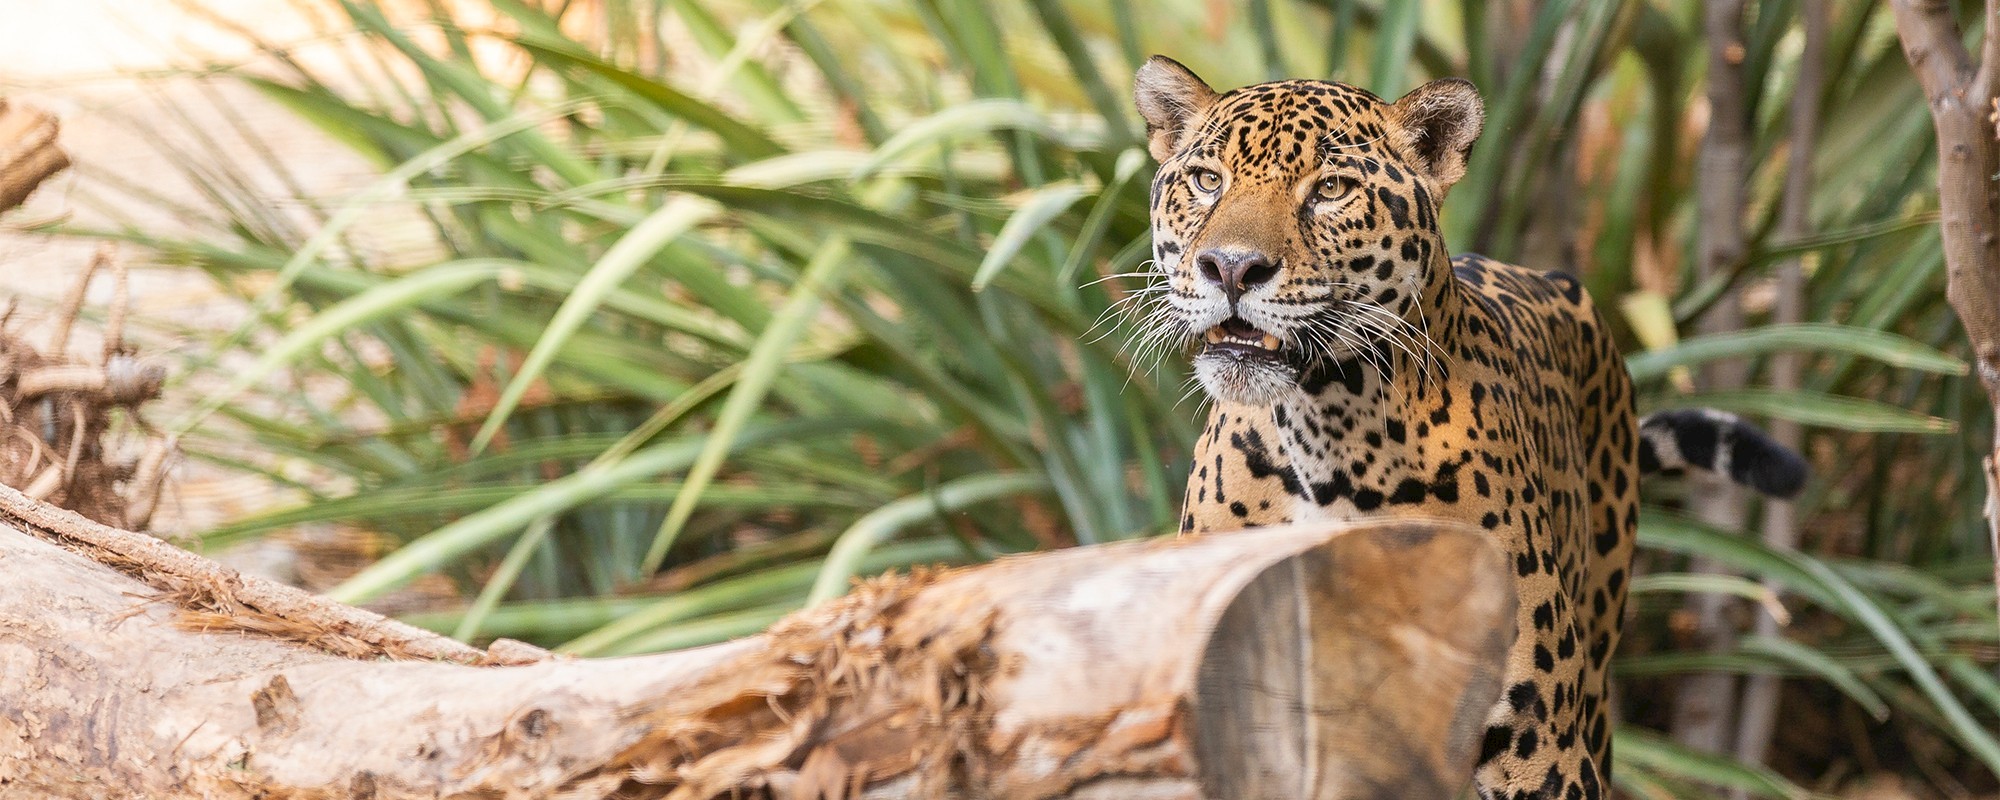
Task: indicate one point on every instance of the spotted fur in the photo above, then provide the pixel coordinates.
(1405, 381)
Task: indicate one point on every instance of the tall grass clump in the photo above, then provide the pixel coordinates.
(719, 303)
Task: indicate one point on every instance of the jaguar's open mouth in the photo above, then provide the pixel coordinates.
(1242, 364)
(1239, 338)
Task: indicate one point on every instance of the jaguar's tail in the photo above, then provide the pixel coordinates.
(1716, 441)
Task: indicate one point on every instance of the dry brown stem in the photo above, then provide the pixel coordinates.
(72, 305)
(56, 413)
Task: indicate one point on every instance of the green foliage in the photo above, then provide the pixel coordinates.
(773, 294)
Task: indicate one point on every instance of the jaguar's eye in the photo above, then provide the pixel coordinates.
(1204, 181)
(1332, 188)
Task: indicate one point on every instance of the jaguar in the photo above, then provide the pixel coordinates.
(1355, 369)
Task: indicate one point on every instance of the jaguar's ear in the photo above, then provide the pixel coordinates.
(1443, 118)
(1169, 96)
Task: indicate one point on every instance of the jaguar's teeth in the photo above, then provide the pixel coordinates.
(1215, 335)
(1269, 342)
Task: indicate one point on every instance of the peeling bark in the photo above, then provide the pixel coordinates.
(209, 596)
(1310, 661)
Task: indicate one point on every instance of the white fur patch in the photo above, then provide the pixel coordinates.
(1665, 448)
(1250, 381)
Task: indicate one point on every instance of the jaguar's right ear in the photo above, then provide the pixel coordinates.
(1169, 96)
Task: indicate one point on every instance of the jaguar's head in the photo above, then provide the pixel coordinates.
(1296, 221)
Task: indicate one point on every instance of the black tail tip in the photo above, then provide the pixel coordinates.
(1717, 441)
(1761, 463)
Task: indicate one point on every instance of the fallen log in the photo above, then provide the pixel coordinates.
(1322, 661)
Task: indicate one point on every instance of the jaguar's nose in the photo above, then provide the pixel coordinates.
(1235, 270)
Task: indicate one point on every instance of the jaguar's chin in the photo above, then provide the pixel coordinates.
(1240, 364)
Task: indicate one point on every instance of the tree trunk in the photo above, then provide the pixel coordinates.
(1759, 717)
(1311, 661)
(1705, 702)
(28, 153)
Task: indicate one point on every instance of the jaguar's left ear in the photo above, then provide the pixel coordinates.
(1170, 96)
(1443, 118)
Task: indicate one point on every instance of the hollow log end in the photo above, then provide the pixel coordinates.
(1361, 668)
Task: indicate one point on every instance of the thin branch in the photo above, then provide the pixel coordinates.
(1989, 53)
(73, 304)
(1933, 44)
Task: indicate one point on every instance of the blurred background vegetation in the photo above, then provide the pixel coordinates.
(706, 306)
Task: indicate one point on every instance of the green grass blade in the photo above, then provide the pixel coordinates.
(428, 285)
(789, 580)
(434, 495)
(1094, 226)
(975, 118)
(741, 137)
(708, 630)
(1712, 583)
(1883, 346)
(1971, 734)
(638, 245)
(767, 358)
(1813, 662)
(1821, 410)
(1395, 36)
(538, 620)
(1642, 749)
(1813, 578)
(853, 546)
(1111, 105)
(746, 78)
(1856, 235)
(465, 82)
(503, 577)
(1043, 205)
(798, 169)
(353, 210)
(1126, 20)
(438, 548)
(1268, 48)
